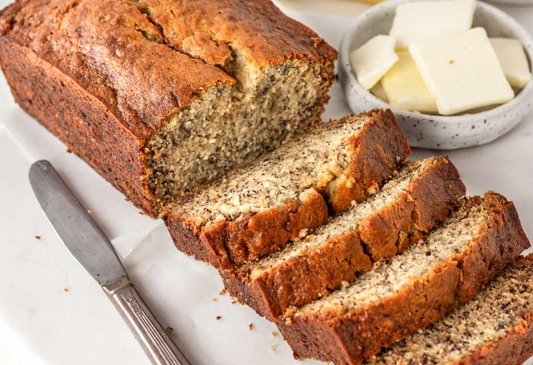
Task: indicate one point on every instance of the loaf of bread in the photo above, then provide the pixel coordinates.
(284, 195)
(414, 289)
(494, 328)
(403, 211)
(160, 96)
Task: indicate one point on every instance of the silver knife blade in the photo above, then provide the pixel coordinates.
(90, 246)
(78, 231)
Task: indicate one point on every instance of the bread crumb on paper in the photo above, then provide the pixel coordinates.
(219, 318)
(38, 237)
(169, 331)
(90, 212)
(65, 290)
(273, 348)
(274, 334)
(251, 326)
(214, 299)
(222, 292)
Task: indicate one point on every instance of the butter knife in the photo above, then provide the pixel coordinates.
(93, 250)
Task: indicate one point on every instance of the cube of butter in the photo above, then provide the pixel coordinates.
(418, 21)
(405, 88)
(373, 59)
(513, 60)
(461, 71)
(379, 92)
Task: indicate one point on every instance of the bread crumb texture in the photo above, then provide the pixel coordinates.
(342, 223)
(352, 242)
(455, 235)
(286, 174)
(503, 308)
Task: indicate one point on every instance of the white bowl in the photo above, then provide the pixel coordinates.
(437, 131)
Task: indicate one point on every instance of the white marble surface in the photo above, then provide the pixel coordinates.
(40, 323)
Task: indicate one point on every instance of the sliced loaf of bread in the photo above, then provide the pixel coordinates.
(162, 96)
(414, 289)
(409, 205)
(258, 209)
(494, 328)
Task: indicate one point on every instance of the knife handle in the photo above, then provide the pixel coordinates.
(153, 338)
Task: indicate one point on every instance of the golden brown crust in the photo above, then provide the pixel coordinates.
(271, 228)
(324, 268)
(108, 55)
(80, 120)
(101, 52)
(349, 338)
(258, 30)
(264, 232)
(428, 202)
(376, 154)
(301, 279)
(254, 236)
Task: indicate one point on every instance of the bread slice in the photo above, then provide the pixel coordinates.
(258, 209)
(414, 289)
(408, 206)
(162, 96)
(494, 328)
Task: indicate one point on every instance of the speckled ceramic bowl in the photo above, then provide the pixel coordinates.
(436, 131)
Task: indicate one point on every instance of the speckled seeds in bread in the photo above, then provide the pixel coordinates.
(160, 96)
(494, 328)
(258, 209)
(414, 289)
(407, 207)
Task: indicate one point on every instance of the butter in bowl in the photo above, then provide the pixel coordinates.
(456, 72)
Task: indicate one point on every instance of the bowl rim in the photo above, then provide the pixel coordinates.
(523, 35)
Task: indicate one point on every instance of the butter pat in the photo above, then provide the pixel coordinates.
(379, 91)
(513, 60)
(405, 88)
(373, 59)
(461, 71)
(418, 21)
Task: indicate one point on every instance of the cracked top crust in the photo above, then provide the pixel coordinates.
(145, 60)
